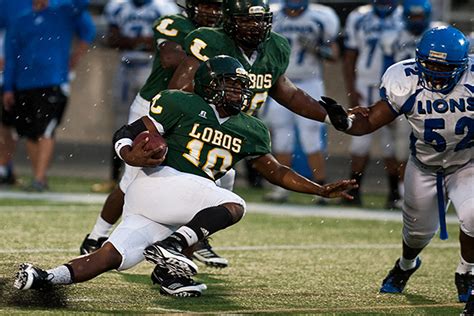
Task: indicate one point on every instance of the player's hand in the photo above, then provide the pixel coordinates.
(336, 112)
(8, 100)
(137, 156)
(364, 111)
(338, 189)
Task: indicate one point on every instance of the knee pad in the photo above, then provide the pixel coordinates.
(416, 240)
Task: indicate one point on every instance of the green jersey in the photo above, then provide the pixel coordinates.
(201, 143)
(173, 28)
(271, 61)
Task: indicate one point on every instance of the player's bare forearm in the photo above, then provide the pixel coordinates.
(285, 177)
(367, 120)
(183, 76)
(171, 54)
(296, 100)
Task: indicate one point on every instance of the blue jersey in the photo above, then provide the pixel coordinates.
(37, 47)
(442, 124)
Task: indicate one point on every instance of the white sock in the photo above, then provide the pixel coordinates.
(407, 264)
(465, 267)
(60, 275)
(101, 229)
(188, 234)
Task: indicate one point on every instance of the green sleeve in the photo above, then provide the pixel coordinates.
(204, 43)
(172, 28)
(166, 109)
(281, 52)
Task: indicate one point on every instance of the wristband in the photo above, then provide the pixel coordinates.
(122, 143)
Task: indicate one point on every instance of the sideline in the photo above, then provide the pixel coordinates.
(263, 208)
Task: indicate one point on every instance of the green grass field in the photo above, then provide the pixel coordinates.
(279, 264)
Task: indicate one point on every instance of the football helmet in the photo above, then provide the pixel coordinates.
(442, 56)
(296, 4)
(417, 15)
(223, 81)
(384, 8)
(206, 13)
(248, 22)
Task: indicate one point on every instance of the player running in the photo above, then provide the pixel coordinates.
(435, 92)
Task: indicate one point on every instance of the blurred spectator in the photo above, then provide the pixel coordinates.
(363, 68)
(130, 29)
(37, 65)
(311, 31)
(9, 11)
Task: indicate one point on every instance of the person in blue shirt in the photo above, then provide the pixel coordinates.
(9, 11)
(37, 63)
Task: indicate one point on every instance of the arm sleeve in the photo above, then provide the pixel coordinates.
(398, 87)
(201, 45)
(165, 110)
(170, 28)
(350, 39)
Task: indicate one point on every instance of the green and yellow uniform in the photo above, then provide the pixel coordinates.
(271, 61)
(201, 143)
(172, 28)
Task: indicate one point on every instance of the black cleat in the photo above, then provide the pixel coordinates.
(182, 287)
(168, 256)
(90, 245)
(397, 279)
(206, 255)
(464, 285)
(30, 277)
(469, 308)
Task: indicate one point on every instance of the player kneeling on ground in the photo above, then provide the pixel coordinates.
(435, 92)
(178, 202)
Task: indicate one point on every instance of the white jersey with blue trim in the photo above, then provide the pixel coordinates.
(363, 32)
(318, 24)
(2, 56)
(401, 45)
(133, 21)
(442, 124)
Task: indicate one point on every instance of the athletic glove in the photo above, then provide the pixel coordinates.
(336, 113)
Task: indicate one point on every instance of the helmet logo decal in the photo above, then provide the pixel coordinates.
(241, 71)
(434, 55)
(256, 10)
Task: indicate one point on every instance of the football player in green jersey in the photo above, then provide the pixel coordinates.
(169, 34)
(178, 203)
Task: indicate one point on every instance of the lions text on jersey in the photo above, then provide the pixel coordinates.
(363, 32)
(442, 124)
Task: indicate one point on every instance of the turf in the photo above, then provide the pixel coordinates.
(279, 264)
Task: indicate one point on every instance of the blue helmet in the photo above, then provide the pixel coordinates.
(384, 8)
(296, 4)
(442, 56)
(417, 15)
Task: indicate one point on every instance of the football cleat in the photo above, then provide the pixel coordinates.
(90, 245)
(181, 287)
(206, 255)
(167, 256)
(469, 308)
(161, 276)
(397, 279)
(464, 285)
(30, 277)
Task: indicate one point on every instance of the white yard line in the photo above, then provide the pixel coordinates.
(265, 208)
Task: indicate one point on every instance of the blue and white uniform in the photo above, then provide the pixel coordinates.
(442, 147)
(398, 46)
(132, 22)
(320, 25)
(363, 33)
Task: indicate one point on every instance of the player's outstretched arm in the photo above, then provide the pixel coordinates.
(183, 76)
(296, 100)
(285, 177)
(360, 121)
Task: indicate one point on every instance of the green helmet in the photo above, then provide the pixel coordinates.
(248, 22)
(211, 16)
(210, 83)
